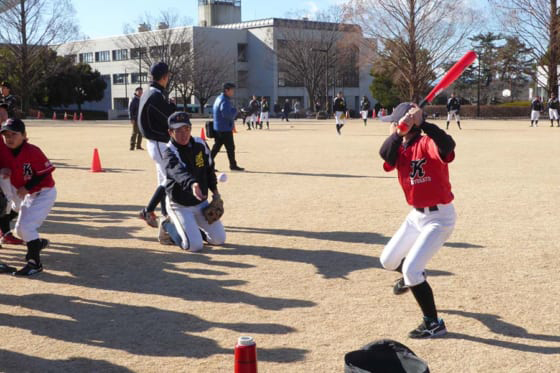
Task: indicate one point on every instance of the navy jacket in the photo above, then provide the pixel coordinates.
(186, 165)
(154, 109)
(133, 108)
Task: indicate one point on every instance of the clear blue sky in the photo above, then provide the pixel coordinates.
(100, 18)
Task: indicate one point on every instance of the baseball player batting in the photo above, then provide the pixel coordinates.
(421, 161)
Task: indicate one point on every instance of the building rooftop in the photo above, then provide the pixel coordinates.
(284, 22)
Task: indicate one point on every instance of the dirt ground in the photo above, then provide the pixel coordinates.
(300, 272)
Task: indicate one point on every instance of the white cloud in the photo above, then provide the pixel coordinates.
(312, 8)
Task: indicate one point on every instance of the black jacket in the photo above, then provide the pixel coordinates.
(12, 103)
(254, 107)
(154, 109)
(265, 107)
(287, 108)
(133, 108)
(536, 105)
(553, 103)
(365, 105)
(339, 104)
(453, 104)
(186, 165)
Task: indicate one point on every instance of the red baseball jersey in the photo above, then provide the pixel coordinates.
(28, 163)
(423, 175)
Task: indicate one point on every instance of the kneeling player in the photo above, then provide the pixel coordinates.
(421, 163)
(190, 175)
(29, 184)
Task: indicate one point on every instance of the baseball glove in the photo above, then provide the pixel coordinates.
(214, 211)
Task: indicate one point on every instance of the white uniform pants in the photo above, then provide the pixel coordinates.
(553, 114)
(418, 240)
(339, 116)
(188, 221)
(535, 114)
(364, 114)
(155, 150)
(264, 116)
(253, 118)
(453, 114)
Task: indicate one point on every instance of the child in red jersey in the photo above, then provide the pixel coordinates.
(27, 181)
(421, 162)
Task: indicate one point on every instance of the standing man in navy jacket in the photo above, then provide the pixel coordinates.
(224, 118)
(153, 112)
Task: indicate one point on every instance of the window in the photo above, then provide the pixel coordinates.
(281, 79)
(86, 57)
(139, 78)
(242, 78)
(120, 54)
(180, 49)
(158, 51)
(242, 52)
(136, 53)
(120, 78)
(120, 103)
(103, 56)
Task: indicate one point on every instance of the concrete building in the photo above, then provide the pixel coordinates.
(249, 49)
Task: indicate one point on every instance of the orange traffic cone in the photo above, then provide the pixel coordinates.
(245, 355)
(202, 134)
(373, 115)
(54, 115)
(75, 116)
(96, 163)
(81, 116)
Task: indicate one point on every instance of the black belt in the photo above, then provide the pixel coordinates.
(423, 209)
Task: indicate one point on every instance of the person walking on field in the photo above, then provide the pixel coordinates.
(339, 108)
(136, 138)
(536, 108)
(286, 110)
(421, 162)
(365, 105)
(553, 106)
(265, 110)
(153, 111)
(253, 112)
(224, 118)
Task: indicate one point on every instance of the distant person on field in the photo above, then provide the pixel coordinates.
(365, 105)
(339, 107)
(553, 106)
(253, 112)
(286, 110)
(136, 138)
(536, 108)
(265, 111)
(453, 108)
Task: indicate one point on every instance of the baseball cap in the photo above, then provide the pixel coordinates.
(6, 84)
(178, 120)
(399, 112)
(15, 125)
(228, 86)
(158, 70)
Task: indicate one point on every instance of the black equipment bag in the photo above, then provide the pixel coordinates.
(209, 128)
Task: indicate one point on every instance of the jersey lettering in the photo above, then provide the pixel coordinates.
(417, 168)
(27, 171)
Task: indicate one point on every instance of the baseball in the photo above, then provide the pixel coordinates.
(222, 178)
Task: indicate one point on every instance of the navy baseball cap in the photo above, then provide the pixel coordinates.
(158, 70)
(178, 120)
(228, 86)
(15, 125)
(399, 112)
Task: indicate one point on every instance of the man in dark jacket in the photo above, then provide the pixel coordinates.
(136, 139)
(154, 110)
(286, 110)
(190, 175)
(224, 118)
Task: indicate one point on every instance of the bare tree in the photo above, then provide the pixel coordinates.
(313, 53)
(416, 36)
(163, 38)
(536, 23)
(29, 28)
(209, 72)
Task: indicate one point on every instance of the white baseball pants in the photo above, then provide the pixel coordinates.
(553, 114)
(364, 114)
(155, 150)
(253, 118)
(339, 116)
(264, 116)
(418, 240)
(188, 221)
(453, 114)
(535, 114)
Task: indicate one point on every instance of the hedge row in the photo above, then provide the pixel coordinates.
(486, 111)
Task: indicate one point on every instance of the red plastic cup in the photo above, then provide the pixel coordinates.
(246, 355)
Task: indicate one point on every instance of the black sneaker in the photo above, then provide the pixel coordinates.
(237, 168)
(429, 329)
(338, 129)
(4, 268)
(400, 287)
(30, 269)
(44, 244)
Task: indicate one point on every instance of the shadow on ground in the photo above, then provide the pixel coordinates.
(338, 176)
(498, 326)
(13, 362)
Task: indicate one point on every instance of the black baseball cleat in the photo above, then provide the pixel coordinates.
(429, 329)
(338, 129)
(4, 268)
(30, 269)
(400, 287)
(237, 168)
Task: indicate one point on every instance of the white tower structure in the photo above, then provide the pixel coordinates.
(218, 12)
